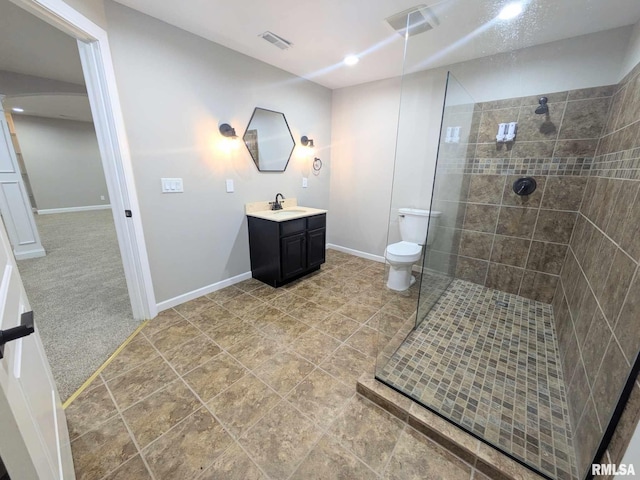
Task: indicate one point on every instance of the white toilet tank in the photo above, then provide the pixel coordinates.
(413, 225)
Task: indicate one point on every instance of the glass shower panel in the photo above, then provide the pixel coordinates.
(458, 130)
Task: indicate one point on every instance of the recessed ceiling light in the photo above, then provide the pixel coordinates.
(351, 60)
(18, 109)
(510, 10)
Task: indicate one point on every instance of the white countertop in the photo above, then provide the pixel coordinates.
(287, 213)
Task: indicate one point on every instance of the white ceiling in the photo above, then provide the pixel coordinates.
(63, 106)
(324, 32)
(31, 46)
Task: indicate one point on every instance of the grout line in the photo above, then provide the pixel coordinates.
(93, 376)
(131, 435)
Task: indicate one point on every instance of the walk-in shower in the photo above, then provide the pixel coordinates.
(526, 329)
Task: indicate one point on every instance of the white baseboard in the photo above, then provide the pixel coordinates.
(39, 252)
(357, 253)
(185, 297)
(47, 211)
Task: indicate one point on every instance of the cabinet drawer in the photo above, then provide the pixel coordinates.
(317, 221)
(293, 226)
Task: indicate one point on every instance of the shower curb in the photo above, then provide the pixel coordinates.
(487, 460)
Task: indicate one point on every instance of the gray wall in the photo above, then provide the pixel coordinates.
(63, 162)
(175, 89)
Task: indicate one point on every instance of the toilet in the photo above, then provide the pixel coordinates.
(402, 255)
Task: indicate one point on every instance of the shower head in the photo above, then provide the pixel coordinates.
(543, 108)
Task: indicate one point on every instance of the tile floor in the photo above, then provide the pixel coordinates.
(489, 360)
(254, 382)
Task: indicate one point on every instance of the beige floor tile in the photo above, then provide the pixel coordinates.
(321, 397)
(254, 350)
(164, 319)
(338, 326)
(248, 285)
(416, 457)
(188, 448)
(225, 294)
(368, 431)
(284, 371)
(358, 311)
(347, 364)
(311, 313)
(329, 460)
(211, 378)
(287, 302)
(193, 307)
(140, 382)
(234, 464)
(211, 317)
(92, 407)
(102, 450)
(157, 413)
(242, 304)
(261, 314)
(243, 403)
(266, 293)
(365, 339)
(280, 441)
(231, 332)
(314, 345)
(138, 351)
(284, 329)
(170, 337)
(192, 354)
(134, 469)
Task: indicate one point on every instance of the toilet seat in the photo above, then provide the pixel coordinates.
(403, 252)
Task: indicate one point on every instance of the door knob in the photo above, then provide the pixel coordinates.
(24, 329)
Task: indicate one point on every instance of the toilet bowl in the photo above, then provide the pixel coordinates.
(402, 255)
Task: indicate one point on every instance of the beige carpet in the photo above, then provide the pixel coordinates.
(78, 294)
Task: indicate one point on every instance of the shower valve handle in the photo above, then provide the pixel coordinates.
(524, 186)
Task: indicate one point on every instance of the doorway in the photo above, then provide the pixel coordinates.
(125, 245)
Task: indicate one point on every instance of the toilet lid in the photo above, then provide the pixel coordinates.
(404, 248)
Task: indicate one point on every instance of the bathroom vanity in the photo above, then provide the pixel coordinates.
(285, 244)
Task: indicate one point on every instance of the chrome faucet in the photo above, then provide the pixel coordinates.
(277, 205)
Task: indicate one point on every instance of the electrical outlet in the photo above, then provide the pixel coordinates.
(305, 182)
(229, 184)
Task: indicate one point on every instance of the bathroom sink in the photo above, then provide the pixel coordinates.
(287, 213)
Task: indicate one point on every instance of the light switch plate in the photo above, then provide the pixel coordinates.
(172, 185)
(229, 185)
(305, 182)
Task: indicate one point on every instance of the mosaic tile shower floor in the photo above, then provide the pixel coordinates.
(489, 361)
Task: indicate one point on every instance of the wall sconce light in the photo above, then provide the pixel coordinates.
(306, 141)
(228, 131)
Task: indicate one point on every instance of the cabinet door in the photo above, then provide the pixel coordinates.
(293, 255)
(316, 248)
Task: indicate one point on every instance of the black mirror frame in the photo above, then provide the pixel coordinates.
(256, 163)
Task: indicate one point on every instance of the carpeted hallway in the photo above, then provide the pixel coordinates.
(78, 294)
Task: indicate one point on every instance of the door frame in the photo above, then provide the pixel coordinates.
(97, 66)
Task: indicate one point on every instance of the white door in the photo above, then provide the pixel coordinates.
(34, 440)
(14, 200)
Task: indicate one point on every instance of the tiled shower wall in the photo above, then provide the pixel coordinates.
(518, 244)
(597, 303)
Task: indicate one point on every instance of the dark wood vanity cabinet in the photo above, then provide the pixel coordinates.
(284, 251)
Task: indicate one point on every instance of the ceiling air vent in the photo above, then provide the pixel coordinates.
(274, 39)
(418, 19)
